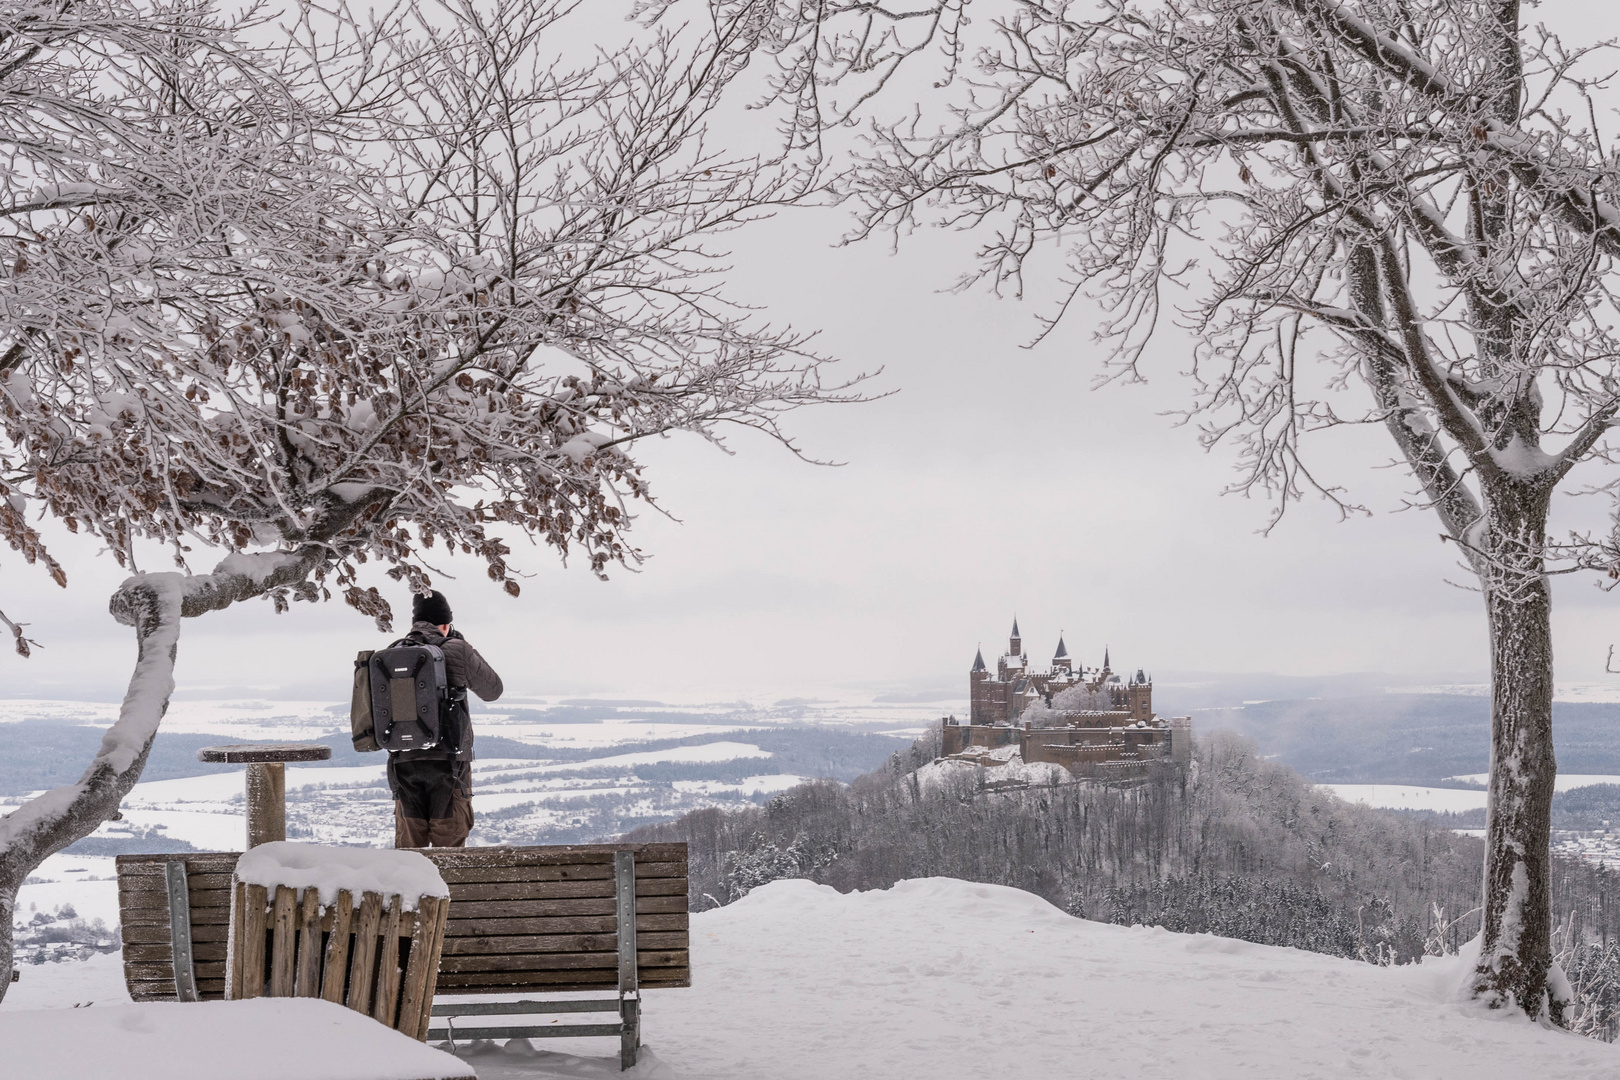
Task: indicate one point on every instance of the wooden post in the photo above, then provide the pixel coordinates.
(337, 948)
(363, 967)
(266, 802)
(386, 1006)
(282, 941)
(255, 904)
(309, 945)
(416, 999)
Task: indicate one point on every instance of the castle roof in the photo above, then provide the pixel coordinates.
(1062, 650)
(978, 661)
(1015, 632)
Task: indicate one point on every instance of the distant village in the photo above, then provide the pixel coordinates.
(1090, 721)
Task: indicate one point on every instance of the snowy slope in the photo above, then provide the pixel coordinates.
(941, 979)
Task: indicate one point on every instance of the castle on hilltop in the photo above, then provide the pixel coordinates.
(1089, 720)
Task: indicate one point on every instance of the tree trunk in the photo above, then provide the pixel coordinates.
(153, 604)
(50, 822)
(1515, 951)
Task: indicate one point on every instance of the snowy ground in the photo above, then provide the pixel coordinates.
(948, 980)
(1447, 800)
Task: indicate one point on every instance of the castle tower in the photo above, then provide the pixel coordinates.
(1060, 659)
(977, 698)
(1015, 643)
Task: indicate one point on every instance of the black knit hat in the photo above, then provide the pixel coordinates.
(432, 608)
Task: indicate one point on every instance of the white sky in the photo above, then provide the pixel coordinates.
(995, 481)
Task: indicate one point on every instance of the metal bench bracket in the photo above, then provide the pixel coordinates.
(185, 971)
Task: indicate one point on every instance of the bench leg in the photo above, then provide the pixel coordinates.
(630, 1035)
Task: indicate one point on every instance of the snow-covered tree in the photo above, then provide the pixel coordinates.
(374, 288)
(1401, 213)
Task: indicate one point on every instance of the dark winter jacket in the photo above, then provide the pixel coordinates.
(463, 666)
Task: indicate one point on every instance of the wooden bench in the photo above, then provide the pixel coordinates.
(522, 920)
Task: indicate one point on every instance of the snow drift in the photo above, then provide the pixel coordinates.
(940, 979)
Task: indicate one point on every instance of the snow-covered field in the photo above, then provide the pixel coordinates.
(947, 980)
(1448, 800)
(576, 795)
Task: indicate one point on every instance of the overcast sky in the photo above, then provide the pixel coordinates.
(992, 481)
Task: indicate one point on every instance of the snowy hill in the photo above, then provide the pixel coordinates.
(949, 980)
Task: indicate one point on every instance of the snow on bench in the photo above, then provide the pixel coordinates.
(263, 1039)
(408, 875)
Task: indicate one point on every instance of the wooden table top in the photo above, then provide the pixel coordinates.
(258, 753)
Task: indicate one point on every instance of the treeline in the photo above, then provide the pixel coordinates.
(1235, 845)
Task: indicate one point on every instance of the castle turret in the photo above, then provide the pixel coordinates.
(1015, 643)
(977, 691)
(1060, 659)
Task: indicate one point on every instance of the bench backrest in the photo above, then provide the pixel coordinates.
(521, 919)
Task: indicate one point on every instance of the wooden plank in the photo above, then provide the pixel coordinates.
(363, 968)
(199, 862)
(526, 1008)
(433, 971)
(560, 943)
(414, 1000)
(158, 934)
(282, 941)
(161, 954)
(335, 969)
(555, 1031)
(519, 909)
(153, 882)
(233, 959)
(387, 1001)
(561, 890)
(646, 958)
(146, 900)
(209, 916)
(584, 924)
(602, 871)
(501, 982)
(256, 906)
(551, 855)
(308, 981)
(141, 971)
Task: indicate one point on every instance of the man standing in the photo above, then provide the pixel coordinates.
(433, 788)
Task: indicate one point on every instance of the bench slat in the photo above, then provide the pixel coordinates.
(515, 982)
(524, 1008)
(561, 890)
(569, 924)
(603, 871)
(561, 1031)
(645, 958)
(560, 943)
(551, 854)
(520, 909)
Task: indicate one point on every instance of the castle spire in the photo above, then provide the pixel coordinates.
(1015, 643)
(1062, 650)
(1106, 665)
(978, 661)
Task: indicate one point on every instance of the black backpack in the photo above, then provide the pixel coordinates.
(402, 701)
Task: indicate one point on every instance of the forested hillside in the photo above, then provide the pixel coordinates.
(1238, 846)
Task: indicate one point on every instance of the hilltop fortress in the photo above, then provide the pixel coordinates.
(1088, 720)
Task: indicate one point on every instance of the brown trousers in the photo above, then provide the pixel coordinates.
(432, 801)
(434, 832)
